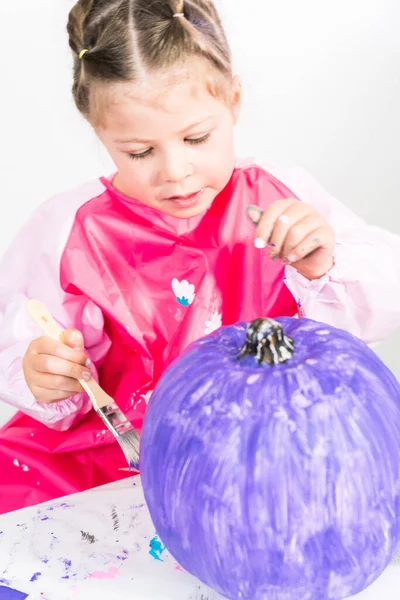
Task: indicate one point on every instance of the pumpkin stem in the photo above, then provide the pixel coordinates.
(266, 341)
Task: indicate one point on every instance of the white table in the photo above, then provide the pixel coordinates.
(101, 544)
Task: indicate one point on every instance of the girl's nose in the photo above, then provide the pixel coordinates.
(176, 166)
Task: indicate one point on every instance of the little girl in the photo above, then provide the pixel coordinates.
(181, 240)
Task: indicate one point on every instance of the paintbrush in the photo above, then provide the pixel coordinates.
(113, 418)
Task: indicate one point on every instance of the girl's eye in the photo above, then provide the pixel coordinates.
(140, 155)
(200, 140)
(192, 141)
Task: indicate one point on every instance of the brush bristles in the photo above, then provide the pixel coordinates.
(396, 559)
(130, 443)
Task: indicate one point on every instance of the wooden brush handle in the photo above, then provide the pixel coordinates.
(50, 327)
(44, 320)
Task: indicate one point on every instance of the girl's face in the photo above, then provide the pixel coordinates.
(171, 139)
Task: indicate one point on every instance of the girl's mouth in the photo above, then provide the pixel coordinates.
(186, 201)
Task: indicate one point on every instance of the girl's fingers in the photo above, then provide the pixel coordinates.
(291, 226)
(268, 220)
(49, 396)
(73, 338)
(52, 368)
(319, 238)
(64, 385)
(46, 345)
(298, 232)
(52, 365)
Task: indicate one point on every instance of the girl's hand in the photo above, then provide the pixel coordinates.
(297, 234)
(52, 368)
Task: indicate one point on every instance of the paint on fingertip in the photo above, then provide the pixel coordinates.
(88, 363)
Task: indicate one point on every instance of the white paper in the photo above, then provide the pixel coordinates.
(97, 545)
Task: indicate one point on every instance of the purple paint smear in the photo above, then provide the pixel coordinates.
(124, 555)
(36, 576)
(68, 568)
(276, 481)
(10, 594)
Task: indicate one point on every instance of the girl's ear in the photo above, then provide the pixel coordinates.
(236, 97)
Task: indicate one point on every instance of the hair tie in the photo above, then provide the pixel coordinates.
(177, 15)
(82, 53)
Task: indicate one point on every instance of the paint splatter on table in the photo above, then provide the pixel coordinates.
(102, 543)
(7, 593)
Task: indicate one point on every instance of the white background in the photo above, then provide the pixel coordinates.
(322, 90)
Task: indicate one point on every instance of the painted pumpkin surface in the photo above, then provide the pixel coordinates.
(270, 461)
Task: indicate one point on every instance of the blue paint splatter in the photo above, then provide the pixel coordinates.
(156, 548)
(35, 577)
(5, 581)
(45, 561)
(45, 518)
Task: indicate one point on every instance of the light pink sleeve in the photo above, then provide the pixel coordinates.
(30, 269)
(362, 291)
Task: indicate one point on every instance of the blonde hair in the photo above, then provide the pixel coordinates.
(120, 40)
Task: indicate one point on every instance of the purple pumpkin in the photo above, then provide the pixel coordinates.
(270, 461)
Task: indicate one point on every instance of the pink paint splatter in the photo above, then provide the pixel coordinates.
(179, 568)
(110, 574)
